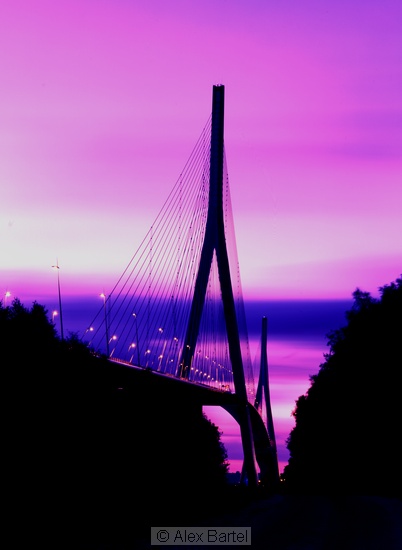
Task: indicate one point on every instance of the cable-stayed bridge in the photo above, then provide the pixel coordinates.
(178, 310)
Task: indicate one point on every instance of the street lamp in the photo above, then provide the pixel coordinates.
(132, 346)
(113, 338)
(6, 295)
(54, 314)
(106, 327)
(136, 337)
(58, 286)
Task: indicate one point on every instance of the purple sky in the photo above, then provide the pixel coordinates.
(102, 102)
(285, 387)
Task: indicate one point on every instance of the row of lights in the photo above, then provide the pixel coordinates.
(134, 346)
(114, 337)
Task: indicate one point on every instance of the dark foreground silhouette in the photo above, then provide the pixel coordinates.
(90, 452)
(346, 439)
(92, 461)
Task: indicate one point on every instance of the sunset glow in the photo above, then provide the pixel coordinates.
(102, 102)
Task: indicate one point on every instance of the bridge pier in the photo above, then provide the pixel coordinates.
(215, 240)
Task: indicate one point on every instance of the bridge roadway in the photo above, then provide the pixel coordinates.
(180, 392)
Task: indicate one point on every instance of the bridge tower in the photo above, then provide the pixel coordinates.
(215, 241)
(263, 388)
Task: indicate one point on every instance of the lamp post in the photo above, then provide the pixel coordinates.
(103, 295)
(113, 338)
(136, 337)
(54, 314)
(6, 295)
(132, 346)
(60, 308)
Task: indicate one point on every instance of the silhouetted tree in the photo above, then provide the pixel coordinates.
(88, 450)
(346, 438)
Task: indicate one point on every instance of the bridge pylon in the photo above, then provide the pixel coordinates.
(264, 440)
(215, 241)
(263, 389)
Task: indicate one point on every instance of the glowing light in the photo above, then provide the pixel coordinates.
(6, 295)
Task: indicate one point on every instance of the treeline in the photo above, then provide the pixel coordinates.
(95, 455)
(347, 433)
